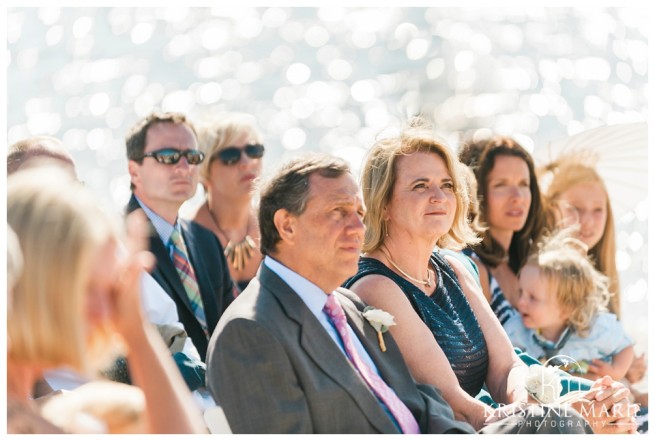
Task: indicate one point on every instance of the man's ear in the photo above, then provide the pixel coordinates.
(134, 168)
(286, 225)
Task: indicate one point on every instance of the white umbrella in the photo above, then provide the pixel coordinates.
(622, 160)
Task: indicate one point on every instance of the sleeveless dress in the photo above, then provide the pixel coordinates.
(501, 307)
(449, 316)
(499, 304)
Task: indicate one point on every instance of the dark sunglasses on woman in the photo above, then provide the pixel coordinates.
(170, 156)
(232, 155)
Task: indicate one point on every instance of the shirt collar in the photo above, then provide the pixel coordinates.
(163, 228)
(311, 295)
(549, 345)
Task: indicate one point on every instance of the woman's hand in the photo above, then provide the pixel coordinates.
(128, 316)
(607, 409)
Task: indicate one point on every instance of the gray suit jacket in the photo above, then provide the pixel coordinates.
(274, 369)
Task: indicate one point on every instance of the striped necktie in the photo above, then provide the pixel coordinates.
(400, 412)
(187, 276)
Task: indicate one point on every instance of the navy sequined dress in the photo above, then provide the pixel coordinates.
(449, 316)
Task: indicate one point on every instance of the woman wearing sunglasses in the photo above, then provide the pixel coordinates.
(234, 150)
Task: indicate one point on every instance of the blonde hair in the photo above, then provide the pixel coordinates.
(60, 229)
(580, 289)
(14, 260)
(471, 185)
(223, 131)
(566, 172)
(380, 174)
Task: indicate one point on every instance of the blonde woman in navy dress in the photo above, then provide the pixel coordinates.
(445, 328)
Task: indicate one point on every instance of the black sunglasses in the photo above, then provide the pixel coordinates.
(171, 156)
(232, 155)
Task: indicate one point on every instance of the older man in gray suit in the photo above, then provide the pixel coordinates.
(281, 360)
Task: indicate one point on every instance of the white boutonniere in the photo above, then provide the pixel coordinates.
(543, 383)
(380, 320)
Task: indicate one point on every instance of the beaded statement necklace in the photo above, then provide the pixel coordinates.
(239, 253)
(427, 282)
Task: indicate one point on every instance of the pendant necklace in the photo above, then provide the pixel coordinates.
(239, 253)
(427, 282)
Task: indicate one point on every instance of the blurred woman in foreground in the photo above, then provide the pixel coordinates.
(76, 302)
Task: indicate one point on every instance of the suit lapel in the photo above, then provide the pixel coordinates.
(318, 345)
(167, 270)
(384, 361)
(365, 332)
(164, 271)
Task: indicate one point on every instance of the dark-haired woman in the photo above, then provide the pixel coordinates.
(510, 209)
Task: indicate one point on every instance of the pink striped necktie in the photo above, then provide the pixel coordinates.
(188, 277)
(397, 408)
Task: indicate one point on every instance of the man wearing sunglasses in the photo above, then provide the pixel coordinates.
(163, 159)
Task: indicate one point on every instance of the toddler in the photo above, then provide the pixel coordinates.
(563, 312)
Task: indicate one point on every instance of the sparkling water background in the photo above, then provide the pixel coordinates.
(332, 79)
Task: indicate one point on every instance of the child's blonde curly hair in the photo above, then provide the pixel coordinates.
(580, 289)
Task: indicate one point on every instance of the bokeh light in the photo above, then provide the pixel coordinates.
(331, 79)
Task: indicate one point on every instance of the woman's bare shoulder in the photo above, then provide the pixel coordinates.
(375, 287)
